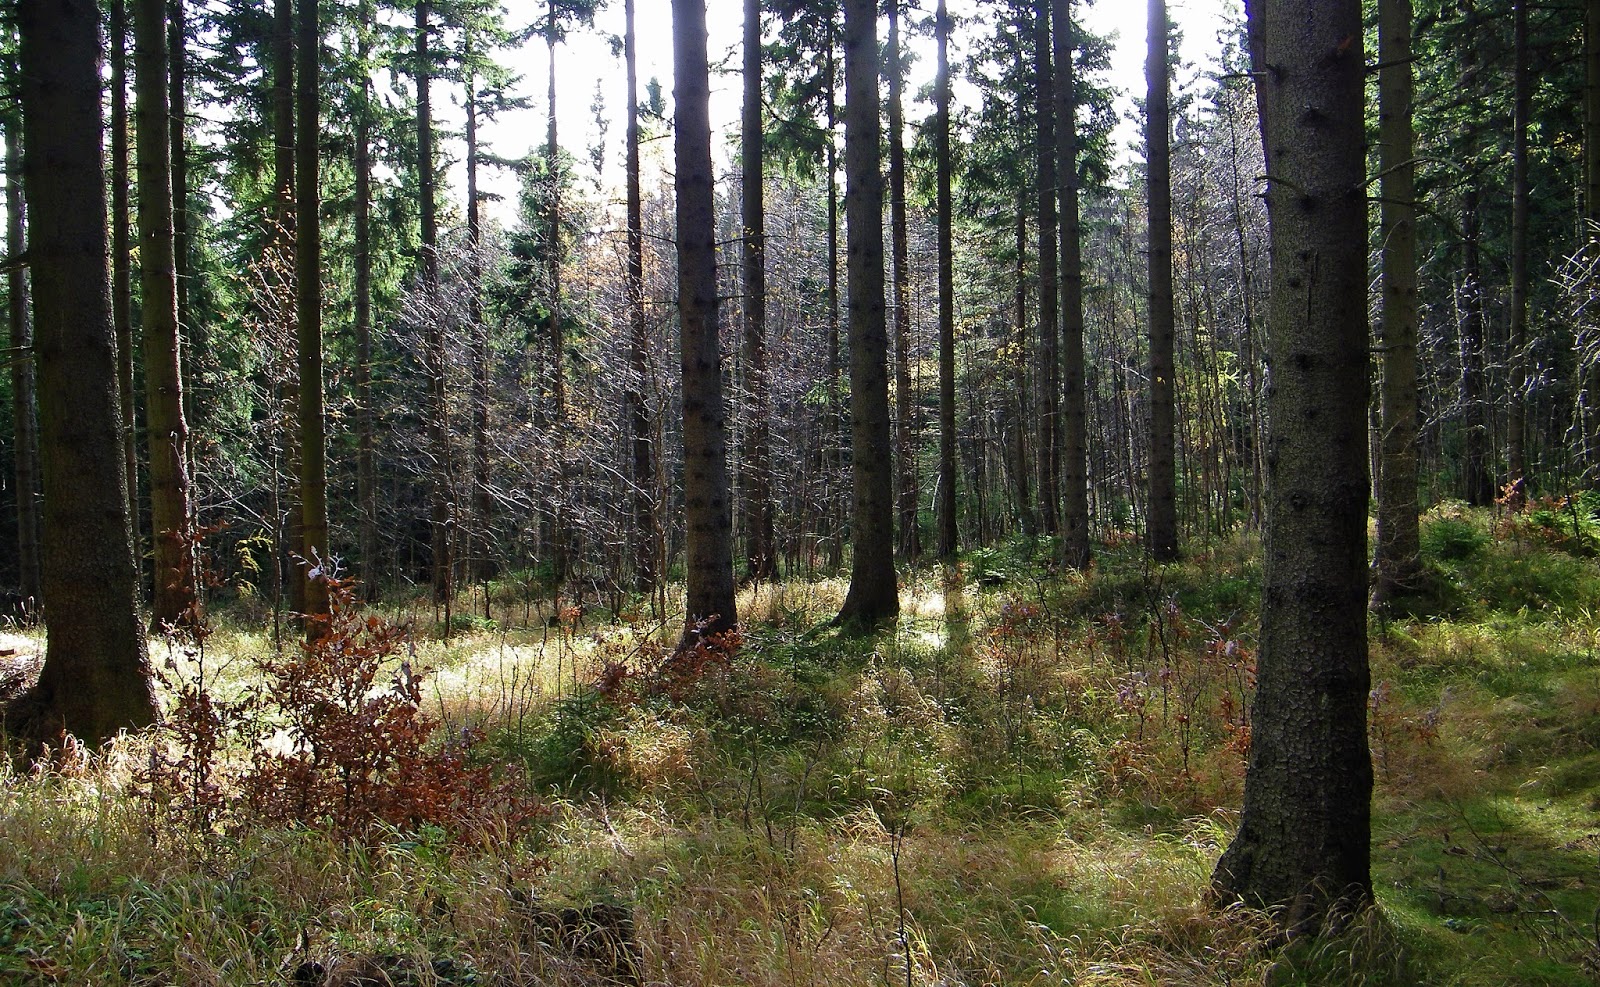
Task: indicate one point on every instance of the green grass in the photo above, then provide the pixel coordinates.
(1026, 781)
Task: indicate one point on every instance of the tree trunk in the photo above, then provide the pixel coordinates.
(945, 504)
(189, 329)
(761, 553)
(283, 249)
(873, 598)
(1161, 534)
(366, 469)
(24, 411)
(905, 402)
(560, 537)
(1303, 842)
(707, 518)
(1049, 274)
(167, 434)
(96, 677)
(1074, 438)
(1019, 366)
(482, 504)
(1517, 338)
(308, 315)
(645, 532)
(1397, 563)
(441, 510)
(122, 263)
(1477, 480)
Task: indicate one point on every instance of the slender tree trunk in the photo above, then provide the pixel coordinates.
(1397, 563)
(24, 411)
(834, 440)
(1074, 437)
(1019, 367)
(1161, 538)
(189, 329)
(873, 598)
(905, 401)
(1591, 214)
(1478, 481)
(482, 503)
(1049, 274)
(122, 263)
(167, 434)
(441, 508)
(761, 553)
(945, 503)
(308, 313)
(283, 273)
(366, 469)
(707, 519)
(96, 676)
(645, 532)
(1303, 845)
(1517, 338)
(560, 541)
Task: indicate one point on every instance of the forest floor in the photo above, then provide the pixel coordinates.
(1027, 780)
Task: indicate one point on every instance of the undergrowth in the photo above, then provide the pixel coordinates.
(1027, 780)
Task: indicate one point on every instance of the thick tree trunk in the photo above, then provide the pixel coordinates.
(1161, 533)
(908, 488)
(1517, 337)
(873, 598)
(366, 467)
(946, 541)
(1049, 375)
(761, 550)
(167, 434)
(1074, 439)
(96, 677)
(707, 518)
(1397, 563)
(24, 410)
(1303, 842)
(308, 314)
(645, 534)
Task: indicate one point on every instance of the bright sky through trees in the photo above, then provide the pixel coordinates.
(586, 58)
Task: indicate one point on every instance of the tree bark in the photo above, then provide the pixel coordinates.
(645, 532)
(308, 315)
(873, 598)
(708, 522)
(1397, 562)
(1161, 536)
(24, 408)
(907, 491)
(1477, 481)
(1517, 338)
(761, 551)
(1049, 375)
(96, 676)
(1303, 843)
(122, 263)
(1074, 412)
(167, 433)
(441, 508)
(478, 329)
(366, 467)
(282, 271)
(945, 503)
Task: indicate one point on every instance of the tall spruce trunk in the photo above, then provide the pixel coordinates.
(478, 340)
(708, 520)
(96, 677)
(1517, 336)
(645, 534)
(760, 536)
(1477, 480)
(282, 272)
(366, 466)
(122, 262)
(308, 315)
(440, 507)
(873, 598)
(1303, 846)
(1397, 562)
(24, 407)
(1074, 438)
(946, 540)
(1049, 374)
(560, 538)
(1161, 535)
(167, 433)
(908, 487)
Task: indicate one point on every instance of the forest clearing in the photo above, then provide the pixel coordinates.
(1027, 780)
